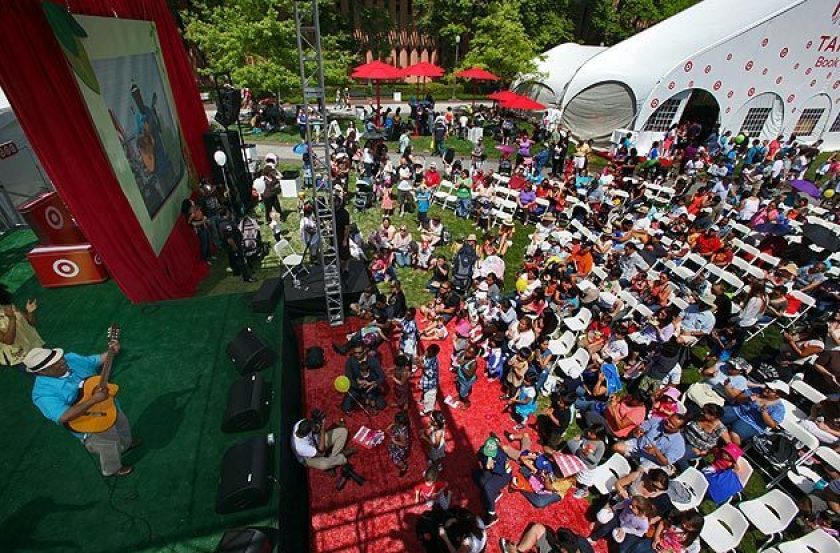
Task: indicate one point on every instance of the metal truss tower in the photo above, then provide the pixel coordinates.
(312, 81)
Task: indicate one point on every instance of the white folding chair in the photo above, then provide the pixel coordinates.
(724, 528)
(605, 476)
(807, 302)
(713, 272)
(746, 268)
(806, 390)
(771, 513)
(574, 365)
(563, 345)
(599, 274)
(741, 230)
(291, 260)
(808, 442)
(770, 260)
(580, 321)
(805, 478)
(445, 193)
(505, 211)
(733, 281)
(697, 486)
(817, 541)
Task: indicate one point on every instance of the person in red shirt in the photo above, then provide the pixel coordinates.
(431, 490)
(698, 201)
(517, 181)
(709, 242)
(432, 177)
(723, 257)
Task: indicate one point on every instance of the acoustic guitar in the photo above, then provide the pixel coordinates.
(103, 415)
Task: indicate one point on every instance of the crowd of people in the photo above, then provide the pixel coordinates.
(629, 331)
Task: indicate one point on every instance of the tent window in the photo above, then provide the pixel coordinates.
(835, 127)
(663, 117)
(754, 121)
(808, 121)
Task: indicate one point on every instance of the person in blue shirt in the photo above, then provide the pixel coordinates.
(758, 410)
(58, 377)
(492, 476)
(657, 442)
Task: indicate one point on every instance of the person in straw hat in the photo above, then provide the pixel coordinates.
(58, 377)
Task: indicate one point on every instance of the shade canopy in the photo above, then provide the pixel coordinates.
(423, 69)
(477, 74)
(502, 95)
(377, 71)
(517, 101)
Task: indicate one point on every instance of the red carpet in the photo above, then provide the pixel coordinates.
(379, 517)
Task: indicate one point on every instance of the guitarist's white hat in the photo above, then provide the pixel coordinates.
(39, 359)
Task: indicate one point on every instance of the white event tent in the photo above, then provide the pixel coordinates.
(763, 67)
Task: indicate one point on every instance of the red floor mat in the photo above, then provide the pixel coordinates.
(379, 516)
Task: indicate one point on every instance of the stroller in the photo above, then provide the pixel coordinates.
(363, 198)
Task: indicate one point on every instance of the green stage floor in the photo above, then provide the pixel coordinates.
(174, 375)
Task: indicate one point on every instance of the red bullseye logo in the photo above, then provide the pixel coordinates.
(707, 69)
(688, 66)
(54, 218)
(750, 92)
(65, 268)
(654, 103)
(717, 85)
(783, 53)
(749, 66)
(791, 98)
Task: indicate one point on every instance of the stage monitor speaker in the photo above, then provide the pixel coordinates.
(265, 299)
(249, 353)
(247, 404)
(244, 482)
(235, 171)
(245, 540)
(228, 102)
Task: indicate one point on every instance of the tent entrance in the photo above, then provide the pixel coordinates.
(701, 108)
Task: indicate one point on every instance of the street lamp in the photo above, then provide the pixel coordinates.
(457, 46)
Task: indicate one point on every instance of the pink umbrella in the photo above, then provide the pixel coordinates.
(377, 71)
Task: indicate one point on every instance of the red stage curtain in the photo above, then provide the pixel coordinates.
(43, 92)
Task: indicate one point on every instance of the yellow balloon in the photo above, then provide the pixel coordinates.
(342, 384)
(829, 193)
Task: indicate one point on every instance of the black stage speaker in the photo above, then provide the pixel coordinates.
(247, 404)
(235, 171)
(244, 481)
(245, 540)
(249, 353)
(228, 102)
(265, 299)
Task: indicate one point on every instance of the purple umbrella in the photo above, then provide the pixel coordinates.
(806, 187)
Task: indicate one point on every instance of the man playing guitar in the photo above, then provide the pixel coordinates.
(59, 379)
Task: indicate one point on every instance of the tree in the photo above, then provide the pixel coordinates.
(547, 22)
(615, 20)
(500, 42)
(256, 42)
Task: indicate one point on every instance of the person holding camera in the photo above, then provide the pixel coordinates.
(322, 449)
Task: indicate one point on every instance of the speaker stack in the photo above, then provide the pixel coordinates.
(245, 482)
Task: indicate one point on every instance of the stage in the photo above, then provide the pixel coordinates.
(174, 376)
(307, 299)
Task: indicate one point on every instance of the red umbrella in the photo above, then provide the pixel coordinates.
(377, 71)
(423, 69)
(502, 95)
(521, 102)
(477, 74)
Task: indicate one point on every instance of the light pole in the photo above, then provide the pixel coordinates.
(457, 47)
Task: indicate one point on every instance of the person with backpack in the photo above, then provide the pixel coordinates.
(232, 240)
(249, 229)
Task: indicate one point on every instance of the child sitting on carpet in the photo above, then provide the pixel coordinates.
(431, 491)
(435, 438)
(399, 447)
(435, 331)
(631, 516)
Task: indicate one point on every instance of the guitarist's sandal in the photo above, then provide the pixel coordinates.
(75, 391)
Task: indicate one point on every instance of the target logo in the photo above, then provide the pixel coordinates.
(688, 66)
(783, 53)
(750, 92)
(97, 259)
(65, 268)
(654, 103)
(749, 66)
(791, 98)
(707, 69)
(54, 218)
(717, 85)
